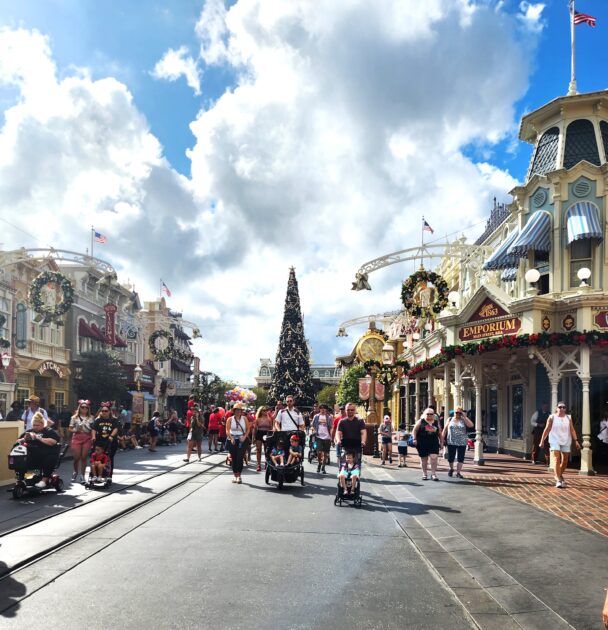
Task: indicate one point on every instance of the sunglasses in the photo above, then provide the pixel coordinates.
(84, 406)
(561, 406)
(105, 411)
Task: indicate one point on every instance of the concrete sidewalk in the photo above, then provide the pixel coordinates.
(512, 564)
(583, 502)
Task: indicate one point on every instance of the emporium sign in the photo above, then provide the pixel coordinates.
(489, 320)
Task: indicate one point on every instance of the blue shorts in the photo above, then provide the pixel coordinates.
(564, 448)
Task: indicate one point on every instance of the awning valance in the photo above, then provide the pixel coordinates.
(98, 334)
(500, 259)
(583, 221)
(536, 236)
(84, 330)
(119, 342)
(508, 275)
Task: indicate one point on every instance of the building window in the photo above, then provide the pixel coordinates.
(580, 256)
(516, 405)
(59, 400)
(546, 153)
(581, 144)
(4, 311)
(23, 395)
(604, 130)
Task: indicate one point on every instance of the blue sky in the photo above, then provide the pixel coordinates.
(305, 143)
(126, 39)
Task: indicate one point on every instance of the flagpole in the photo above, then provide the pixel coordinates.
(92, 239)
(572, 87)
(422, 243)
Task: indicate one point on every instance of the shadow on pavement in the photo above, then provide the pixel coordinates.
(11, 591)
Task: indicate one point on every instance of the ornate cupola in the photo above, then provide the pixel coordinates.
(566, 131)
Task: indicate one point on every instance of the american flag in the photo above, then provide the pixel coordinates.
(583, 18)
(426, 227)
(166, 289)
(100, 238)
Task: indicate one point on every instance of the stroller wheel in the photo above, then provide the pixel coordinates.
(267, 476)
(280, 484)
(336, 500)
(358, 502)
(59, 486)
(18, 492)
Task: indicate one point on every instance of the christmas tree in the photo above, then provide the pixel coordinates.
(292, 366)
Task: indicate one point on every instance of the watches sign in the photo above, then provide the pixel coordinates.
(489, 320)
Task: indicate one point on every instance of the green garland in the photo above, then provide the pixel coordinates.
(540, 340)
(51, 314)
(441, 298)
(168, 352)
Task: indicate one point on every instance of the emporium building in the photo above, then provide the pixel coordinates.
(527, 321)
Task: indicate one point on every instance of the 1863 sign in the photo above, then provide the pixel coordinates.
(489, 320)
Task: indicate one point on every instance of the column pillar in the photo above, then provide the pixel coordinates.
(478, 382)
(457, 383)
(406, 420)
(584, 375)
(446, 390)
(430, 386)
(417, 410)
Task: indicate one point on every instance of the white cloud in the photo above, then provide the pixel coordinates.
(346, 123)
(177, 63)
(531, 15)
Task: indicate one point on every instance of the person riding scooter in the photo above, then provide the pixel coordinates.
(42, 448)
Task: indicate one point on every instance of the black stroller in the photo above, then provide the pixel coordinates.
(283, 474)
(353, 490)
(28, 476)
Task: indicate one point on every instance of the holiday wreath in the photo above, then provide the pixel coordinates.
(408, 291)
(165, 353)
(51, 313)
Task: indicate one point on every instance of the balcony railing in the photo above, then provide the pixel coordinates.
(39, 350)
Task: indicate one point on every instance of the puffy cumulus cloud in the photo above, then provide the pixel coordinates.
(76, 152)
(531, 15)
(178, 63)
(347, 121)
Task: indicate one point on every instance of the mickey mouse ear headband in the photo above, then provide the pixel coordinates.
(106, 404)
(84, 402)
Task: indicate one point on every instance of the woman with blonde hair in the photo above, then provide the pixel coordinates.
(428, 440)
(81, 425)
(262, 427)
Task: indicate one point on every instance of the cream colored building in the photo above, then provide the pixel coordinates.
(547, 275)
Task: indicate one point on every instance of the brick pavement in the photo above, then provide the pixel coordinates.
(584, 501)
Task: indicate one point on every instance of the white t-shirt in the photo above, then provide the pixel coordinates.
(286, 423)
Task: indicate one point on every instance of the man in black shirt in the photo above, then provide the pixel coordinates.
(351, 432)
(105, 430)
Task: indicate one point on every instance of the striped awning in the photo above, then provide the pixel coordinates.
(499, 259)
(508, 275)
(583, 221)
(536, 236)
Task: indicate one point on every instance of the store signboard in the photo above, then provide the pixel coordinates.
(137, 407)
(489, 320)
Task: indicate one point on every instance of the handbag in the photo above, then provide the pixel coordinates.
(189, 436)
(410, 441)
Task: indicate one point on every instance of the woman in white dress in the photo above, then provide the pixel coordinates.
(561, 434)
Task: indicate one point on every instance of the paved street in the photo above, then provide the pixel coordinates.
(211, 554)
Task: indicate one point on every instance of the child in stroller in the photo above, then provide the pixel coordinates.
(100, 474)
(348, 479)
(295, 450)
(277, 455)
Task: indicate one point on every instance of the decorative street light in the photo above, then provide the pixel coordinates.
(6, 360)
(583, 274)
(137, 372)
(532, 276)
(388, 354)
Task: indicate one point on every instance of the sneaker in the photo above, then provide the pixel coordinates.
(40, 485)
(390, 460)
(459, 476)
(74, 476)
(563, 483)
(138, 447)
(108, 479)
(239, 480)
(558, 484)
(450, 472)
(318, 469)
(234, 480)
(79, 478)
(382, 464)
(434, 478)
(323, 470)
(424, 477)
(258, 469)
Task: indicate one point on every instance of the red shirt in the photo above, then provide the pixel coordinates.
(100, 458)
(214, 421)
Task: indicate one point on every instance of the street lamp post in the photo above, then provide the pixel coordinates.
(6, 360)
(137, 372)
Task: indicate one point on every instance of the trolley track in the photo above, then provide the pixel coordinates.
(213, 470)
(98, 495)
